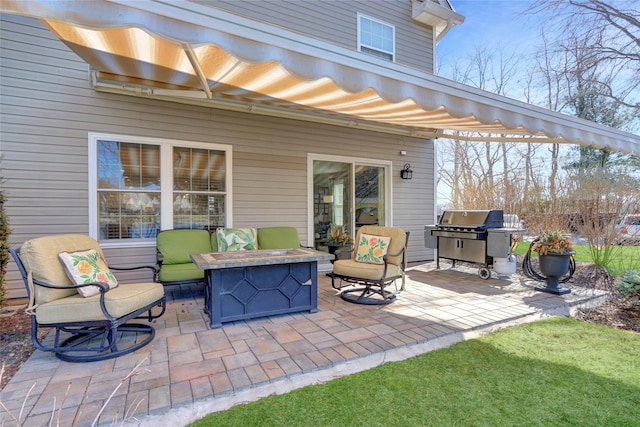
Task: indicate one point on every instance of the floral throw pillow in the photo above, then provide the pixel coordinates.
(87, 267)
(237, 239)
(372, 249)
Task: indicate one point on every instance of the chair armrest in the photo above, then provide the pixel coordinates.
(159, 261)
(140, 267)
(385, 258)
(104, 287)
(400, 252)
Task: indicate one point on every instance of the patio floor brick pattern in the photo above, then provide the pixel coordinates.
(188, 364)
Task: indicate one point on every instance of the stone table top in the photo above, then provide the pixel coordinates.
(218, 260)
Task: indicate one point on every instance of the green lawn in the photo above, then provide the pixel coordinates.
(625, 257)
(559, 372)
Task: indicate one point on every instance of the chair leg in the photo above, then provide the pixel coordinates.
(113, 342)
(367, 295)
(333, 281)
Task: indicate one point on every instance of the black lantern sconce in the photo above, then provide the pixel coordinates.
(406, 172)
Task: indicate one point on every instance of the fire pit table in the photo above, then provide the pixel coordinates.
(248, 284)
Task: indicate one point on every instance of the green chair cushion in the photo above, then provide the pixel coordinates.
(176, 246)
(180, 272)
(278, 238)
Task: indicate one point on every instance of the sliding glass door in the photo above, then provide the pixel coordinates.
(332, 199)
(369, 195)
(347, 194)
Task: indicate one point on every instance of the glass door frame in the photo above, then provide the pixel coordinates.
(352, 161)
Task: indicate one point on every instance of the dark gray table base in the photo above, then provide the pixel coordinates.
(248, 292)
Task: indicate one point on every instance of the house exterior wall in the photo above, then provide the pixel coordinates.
(49, 107)
(336, 22)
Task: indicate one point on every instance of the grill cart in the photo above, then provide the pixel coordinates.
(474, 236)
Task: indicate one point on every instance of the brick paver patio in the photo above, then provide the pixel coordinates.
(190, 370)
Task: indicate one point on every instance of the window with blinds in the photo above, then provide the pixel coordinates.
(143, 185)
(376, 37)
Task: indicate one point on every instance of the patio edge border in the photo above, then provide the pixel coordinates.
(192, 412)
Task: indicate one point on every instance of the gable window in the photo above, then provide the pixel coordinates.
(376, 37)
(139, 186)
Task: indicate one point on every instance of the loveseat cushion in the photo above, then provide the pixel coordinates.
(278, 238)
(176, 246)
(40, 256)
(180, 272)
(120, 301)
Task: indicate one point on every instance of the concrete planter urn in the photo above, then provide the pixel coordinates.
(554, 266)
(555, 251)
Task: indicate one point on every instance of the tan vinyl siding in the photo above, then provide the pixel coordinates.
(335, 23)
(49, 107)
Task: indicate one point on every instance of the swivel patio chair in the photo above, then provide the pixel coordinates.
(73, 291)
(379, 259)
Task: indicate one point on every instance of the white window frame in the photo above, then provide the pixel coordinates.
(166, 181)
(377, 49)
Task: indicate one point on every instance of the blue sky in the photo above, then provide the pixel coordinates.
(491, 23)
(495, 23)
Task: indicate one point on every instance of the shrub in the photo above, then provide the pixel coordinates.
(629, 285)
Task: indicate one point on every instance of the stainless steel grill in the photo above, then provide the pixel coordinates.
(475, 236)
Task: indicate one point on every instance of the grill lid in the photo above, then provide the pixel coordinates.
(472, 219)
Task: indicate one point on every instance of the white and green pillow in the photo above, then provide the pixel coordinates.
(372, 249)
(237, 239)
(87, 267)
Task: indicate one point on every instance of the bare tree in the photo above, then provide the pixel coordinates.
(580, 74)
(532, 185)
(549, 70)
(479, 174)
(610, 36)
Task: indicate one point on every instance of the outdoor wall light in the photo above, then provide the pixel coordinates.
(406, 172)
